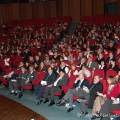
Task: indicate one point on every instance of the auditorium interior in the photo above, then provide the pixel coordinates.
(59, 59)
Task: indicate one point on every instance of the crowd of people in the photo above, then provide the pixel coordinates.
(91, 47)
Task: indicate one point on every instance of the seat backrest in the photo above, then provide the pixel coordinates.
(110, 72)
(8, 71)
(89, 79)
(41, 75)
(99, 72)
(104, 83)
(72, 79)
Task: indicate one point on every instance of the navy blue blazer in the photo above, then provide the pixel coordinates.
(50, 78)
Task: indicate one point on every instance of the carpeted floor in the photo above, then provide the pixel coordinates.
(51, 113)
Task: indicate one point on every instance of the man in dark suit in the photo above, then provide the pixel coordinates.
(26, 79)
(61, 80)
(78, 91)
(49, 79)
(108, 106)
(27, 54)
(90, 95)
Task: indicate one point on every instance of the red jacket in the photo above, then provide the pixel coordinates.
(114, 93)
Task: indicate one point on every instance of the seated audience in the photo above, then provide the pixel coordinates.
(61, 80)
(102, 66)
(73, 70)
(109, 105)
(42, 67)
(85, 71)
(24, 79)
(78, 85)
(113, 65)
(63, 67)
(49, 79)
(111, 90)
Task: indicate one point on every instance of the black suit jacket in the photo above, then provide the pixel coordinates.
(84, 83)
(50, 78)
(93, 93)
(33, 76)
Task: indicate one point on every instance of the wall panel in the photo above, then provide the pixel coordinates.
(71, 9)
(65, 7)
(98, 7)
(76, 15)
(22, 11)
(16, 11)
(29, 14)
(35, 10)
(3, 11)
(47, 9)
(53, 8)
(41, 10)
(59, 8)
(86, 7)
(9, 12)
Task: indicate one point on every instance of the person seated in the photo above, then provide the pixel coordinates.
(77, 90)
(61, 80)
(31, 60)
(100, 58)
(111, 56)
(73, 70)
(109, 105)
(63, 67)
(37, 60)
(47, 60)
(27, 65)
(102, 66)
(117, 55)
(111, 90)
(90, 95)
(49, 79)
(113, 65)
(118, 76)
(42, 67)
(91, 64)
(85, 71)
(24, 79)
(82, 62)
(13, 82)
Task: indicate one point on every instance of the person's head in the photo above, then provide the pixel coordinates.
(89, 59)
(50, 70)
(31, 58)
(83, 60)
(112, 61)
(42, 64)
(96, 79)
(84, 67)
(62, 64)
(101, 55)
(23, 69)
(102, 62)
(31, 68)
(21, 64)
(36, 57)
(62, 73)
(118, 72)
(111, 80)
(73, 66)
(47, 58)
(111, 55)
(53, 64)
(81, 76)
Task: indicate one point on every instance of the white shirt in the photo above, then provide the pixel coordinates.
(55, 83)
(86, 72)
